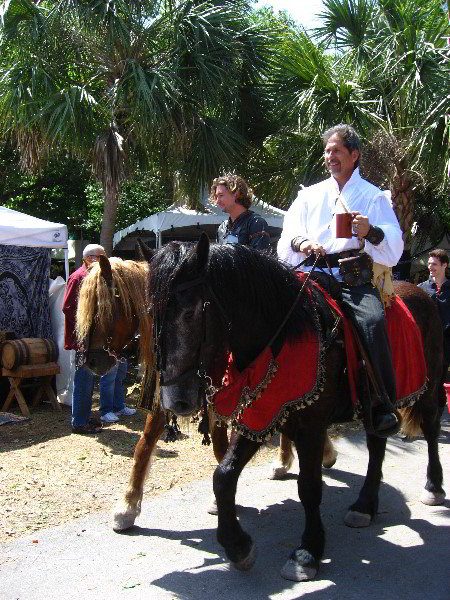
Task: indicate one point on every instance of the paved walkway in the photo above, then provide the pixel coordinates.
(172, 551)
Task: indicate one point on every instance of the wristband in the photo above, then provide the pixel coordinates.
(297, 242)
(375, 235)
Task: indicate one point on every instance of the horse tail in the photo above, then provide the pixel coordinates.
(411, 420)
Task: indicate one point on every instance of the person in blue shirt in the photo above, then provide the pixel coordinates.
(243, 226)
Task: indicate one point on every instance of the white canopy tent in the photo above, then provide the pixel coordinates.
(184, 224)
(19, 229)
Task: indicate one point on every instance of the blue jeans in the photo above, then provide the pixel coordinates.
(83, 386)
(112, 396)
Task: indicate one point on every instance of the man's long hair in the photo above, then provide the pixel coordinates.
(233, 183)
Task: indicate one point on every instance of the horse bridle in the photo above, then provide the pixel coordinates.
(121, 356)
(198, 370)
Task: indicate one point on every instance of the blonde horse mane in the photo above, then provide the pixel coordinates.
(97, 301)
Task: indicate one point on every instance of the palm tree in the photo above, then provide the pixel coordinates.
(381, 65)
(129, 83)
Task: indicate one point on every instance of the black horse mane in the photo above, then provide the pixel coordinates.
(246, 282)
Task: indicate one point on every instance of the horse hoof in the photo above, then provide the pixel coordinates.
(212, 509)
(432, 498)
(247, 563)
(277, 471)
(123, 518)
(357, 519)
(330, 460)
(301, 566)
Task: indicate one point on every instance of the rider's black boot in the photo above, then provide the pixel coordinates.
(379, 417)
(384, 422)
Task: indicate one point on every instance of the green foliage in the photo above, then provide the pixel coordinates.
(177, 86)
(63, 191)
(141, 195)
(56, 193)
(158, 97)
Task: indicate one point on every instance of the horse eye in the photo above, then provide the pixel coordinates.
(188, 314)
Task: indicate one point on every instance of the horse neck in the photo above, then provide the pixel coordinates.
(249, 335)
(246, 350)
(255, 324)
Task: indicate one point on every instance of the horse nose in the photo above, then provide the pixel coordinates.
(177, 400)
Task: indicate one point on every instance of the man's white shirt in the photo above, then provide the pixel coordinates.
(312, 215)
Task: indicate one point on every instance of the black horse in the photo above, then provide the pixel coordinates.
(209, 301)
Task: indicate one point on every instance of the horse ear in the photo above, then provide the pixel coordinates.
(143, 252)
(105, 267)
(202, 251)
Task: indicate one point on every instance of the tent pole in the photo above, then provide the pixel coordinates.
(159, 239)
(66, 262)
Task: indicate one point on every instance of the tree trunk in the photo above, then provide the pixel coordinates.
(403, 202)
(109, 220)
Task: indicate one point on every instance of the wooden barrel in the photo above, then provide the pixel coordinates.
(28, 351)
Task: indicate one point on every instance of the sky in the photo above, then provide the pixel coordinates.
(303, 11)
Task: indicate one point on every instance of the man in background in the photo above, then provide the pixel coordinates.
(232, 194)
(111, 384)
(438, 287)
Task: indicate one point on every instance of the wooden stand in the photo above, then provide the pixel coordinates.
(44, 372)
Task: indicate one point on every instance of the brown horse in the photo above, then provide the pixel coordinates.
(210, 301)
(112, 307)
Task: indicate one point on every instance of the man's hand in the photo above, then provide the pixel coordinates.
(360, 224)
(309, 247)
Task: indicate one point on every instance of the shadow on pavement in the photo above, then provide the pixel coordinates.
(398, 556)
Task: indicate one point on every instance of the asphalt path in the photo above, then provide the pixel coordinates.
(172, 552)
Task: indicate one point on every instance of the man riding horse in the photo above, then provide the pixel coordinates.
(309, 232)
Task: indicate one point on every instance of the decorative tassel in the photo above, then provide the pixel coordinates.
(204, 425)
(172, 430)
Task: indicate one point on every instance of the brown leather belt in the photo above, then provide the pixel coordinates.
(330, 259)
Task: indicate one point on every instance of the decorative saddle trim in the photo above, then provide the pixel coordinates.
(258, 400)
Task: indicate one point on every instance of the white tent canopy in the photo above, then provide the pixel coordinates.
(177, 217)
(18, 229)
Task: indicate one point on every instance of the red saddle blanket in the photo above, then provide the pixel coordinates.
(258, 400)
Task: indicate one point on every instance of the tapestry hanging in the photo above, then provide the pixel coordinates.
(24, 297)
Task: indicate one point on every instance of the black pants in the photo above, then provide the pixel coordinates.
(364, 307)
